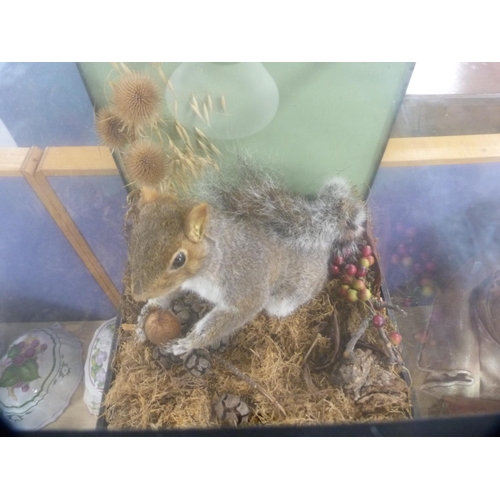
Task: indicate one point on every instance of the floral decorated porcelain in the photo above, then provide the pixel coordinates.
(38, 375)
(96, 365)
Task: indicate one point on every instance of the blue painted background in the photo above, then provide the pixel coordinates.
(41, 276)
(46, 104)
(456, 206)
(97, 204)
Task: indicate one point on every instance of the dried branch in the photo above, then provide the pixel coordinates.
(379, 304)
(356, 336)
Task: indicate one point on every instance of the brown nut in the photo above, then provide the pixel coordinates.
(162, 326)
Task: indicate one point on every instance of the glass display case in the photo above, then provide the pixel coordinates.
(402, 323)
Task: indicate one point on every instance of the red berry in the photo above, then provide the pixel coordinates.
(335, 270)
(378, 321)
(358, 285)
(395, 338)
(346, 279)
(351, 269)
(366, 250)
(35, 343)
(352, 295)
(338, 261)
(25, 388)
(364, 262)
(361, 272)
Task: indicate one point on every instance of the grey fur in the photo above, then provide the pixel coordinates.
(249, 193)
(263, 248)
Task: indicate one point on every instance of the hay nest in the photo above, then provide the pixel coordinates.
(296, 364)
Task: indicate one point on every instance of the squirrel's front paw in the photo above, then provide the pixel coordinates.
(140, 335)
(177, 347)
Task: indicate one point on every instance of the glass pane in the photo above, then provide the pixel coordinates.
(435, 200)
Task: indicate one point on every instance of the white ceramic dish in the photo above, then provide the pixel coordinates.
(96, 365)
(38, 375)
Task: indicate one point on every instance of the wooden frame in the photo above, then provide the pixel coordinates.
(446, 150)
(83, 161)
(35, 165)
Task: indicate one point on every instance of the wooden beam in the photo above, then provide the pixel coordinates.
(48, 197)
(445, 150)
(11, 161)
(87, 160)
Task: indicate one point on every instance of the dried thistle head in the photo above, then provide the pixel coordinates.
(146, 163)
(112, 129)
(137, 99)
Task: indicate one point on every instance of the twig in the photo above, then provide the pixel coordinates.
(333, 326)
(356, 336)
(243, 376)
(335, 334)
(379, 304)
(387, 345)
(306, 373)
(371, 347)
(311, 348)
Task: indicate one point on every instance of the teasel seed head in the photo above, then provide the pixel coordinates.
(146, 163)
(112, 129)
(137, 99)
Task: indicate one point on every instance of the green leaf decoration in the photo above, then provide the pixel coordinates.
(29, 370)
(14, 351)
(10, 376)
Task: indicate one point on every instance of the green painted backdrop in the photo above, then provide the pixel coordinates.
(333, 118)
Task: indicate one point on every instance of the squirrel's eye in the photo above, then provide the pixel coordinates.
(179, 261)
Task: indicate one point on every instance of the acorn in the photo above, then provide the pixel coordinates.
(137, 99)
(162, 326)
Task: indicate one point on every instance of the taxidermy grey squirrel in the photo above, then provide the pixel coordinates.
(244, 243)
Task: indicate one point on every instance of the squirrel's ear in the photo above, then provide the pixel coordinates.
(196, 221)
(149, 194)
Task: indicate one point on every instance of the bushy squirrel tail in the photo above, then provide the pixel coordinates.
(334, 218)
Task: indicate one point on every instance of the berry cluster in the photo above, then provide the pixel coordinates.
(353, 275)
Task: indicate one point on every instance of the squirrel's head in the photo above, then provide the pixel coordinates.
(166, 244)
